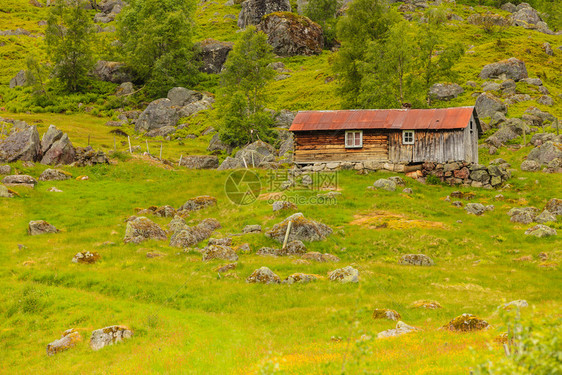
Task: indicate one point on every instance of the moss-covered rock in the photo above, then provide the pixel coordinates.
(68, 340)
(263, 275)
(141, 229)
(302, 229)
(386, 314)
(86, 257)
(466, 323)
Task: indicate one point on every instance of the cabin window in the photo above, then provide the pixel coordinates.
(408, 137)
(354, 139)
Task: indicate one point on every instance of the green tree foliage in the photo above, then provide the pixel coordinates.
(242, 95)
(323, 12)
(157, 43)
(69, 38)
(366, 21)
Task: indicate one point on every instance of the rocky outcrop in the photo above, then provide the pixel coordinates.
(512, 68)
(344, 275)
(87, 156)
(219, 252)
(525, 16)
(38, 227)
(554, 206)
(112, 71)
(253, 10)
(283, 205)
(68, 340)
(546, 153)
(141, 229)
(49, 138)
(445, 91)
(54, 175)
(22, 144)
(416, 260)
(198, 203)
(290, 34)
(510, 129)
(200, 162)
(302, 229)
(488, 19)
(213, 54)
(466, 323)
(5, 192)
(217, 145)
(108, 336)
(487, 105)
(61, 152)
(540, 231)
(185, 236)
(180, 96)
(523, 215)
(467, 174)
(19, 79)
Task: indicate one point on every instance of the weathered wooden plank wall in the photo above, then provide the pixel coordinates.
(429, 145)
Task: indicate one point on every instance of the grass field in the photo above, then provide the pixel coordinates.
(188, 319)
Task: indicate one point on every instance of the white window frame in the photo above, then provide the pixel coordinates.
(407, 134)
(351, 134)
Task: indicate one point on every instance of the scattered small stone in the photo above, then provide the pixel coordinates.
(401, 329)
(199, 203)
(385, 184)
(466, 323)
(227, 241)
(255, 228)
(219, 252)
(226, 268)
(154, 254)
(54, 175)
(54, 190)
(477, 208)
(300, 278)
(86, 257)
(283, 205)
(243, 248)
(386, 314)
(108, 336)
(407, 191)
(19, 180)
(319, 257)
(426, 304)
(344, 275)
(416, 260)
(38, 227)
(68, 340)
(263, 275)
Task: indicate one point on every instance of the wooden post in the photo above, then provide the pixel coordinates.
(557, 127)
(160, 150)
(181, 156)
(114, 145)
(130, 148)
(287, 234)
(147, 150)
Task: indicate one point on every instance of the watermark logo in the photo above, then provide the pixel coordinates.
(243, 187)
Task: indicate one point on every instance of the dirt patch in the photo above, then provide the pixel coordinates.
(390, 220)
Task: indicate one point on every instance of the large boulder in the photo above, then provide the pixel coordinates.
(198, 203)
(466, 323)
(445, 91)
(511, 68)
(19, 79)
(68, 340)
(112, 71)
(554, 206)
(540, 231)
(19, 180)
(255, 154)
(213, 54)
(158, 114)
(487, 105)
(510, 129)
(253, 10)
(21, 144)
(526, 16)
(230, 163)
(180, 96)
(38, 227)
(217, 145)
(200, 162)
(185, 236)
(61, 152)
(88, 156)
(108, 336)
(302, 229)
(141, 229)
(50, 137)
(523, 215)
(290, 34)
(5, 192)
(546, 153)
(219, 252)
(263, 275)
(385, 184)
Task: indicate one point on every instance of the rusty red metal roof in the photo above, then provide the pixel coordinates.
(408, 119)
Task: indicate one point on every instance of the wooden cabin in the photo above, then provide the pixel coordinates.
(398, 136)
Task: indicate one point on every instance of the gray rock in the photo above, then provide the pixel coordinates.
(219, 252)
(445, 91)
(256, 153)
(526, 16)
(512, 68)
(196, 107)
(158, 114)
(141, 229)
(199, 203)
(291, 34)
(487, 105)
(491, 86)
(254, 228)
(230, 163)
(554, 206)
(20, 79)
(61, 152)
(480, 176)
(186, 236)
(180, 96)
(164, 131)
(51, 136)
(200, 162)
(385, 184)
(21, 144)
(213, 55)
(344, 275)
(5, 169)
(38, 227)
(547, 49)
(544, 116)
(530, 166)
(112, 71)
(217, 145)
(497, 118)
(253, 10)
(284, 118)
(263, 275)
(532, 81)
(19, 180)
(475, 209)
(68, 340)
(54, 175)
(545, 217)
(109, 336)
(302, 229)
(126, 88)
(5, 192)
(283, 205)
(416, 260)
(508, 86)
(509, 130)
(541, 231)
(546, 100)
(523, 215)
(546, 153)
(401, 329)
(508, 7)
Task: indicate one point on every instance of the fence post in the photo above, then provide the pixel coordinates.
(147, 150)
(160, 150)
(130, 148)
